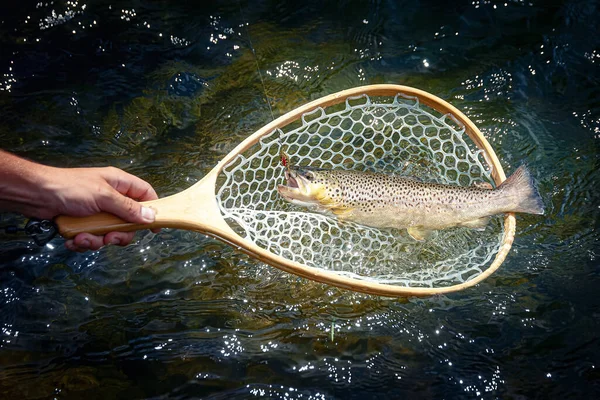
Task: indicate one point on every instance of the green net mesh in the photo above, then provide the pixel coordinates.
(388, 134)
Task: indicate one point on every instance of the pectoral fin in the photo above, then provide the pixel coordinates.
(483, 185)
(341, 212)
(479, 223)
(419, 233)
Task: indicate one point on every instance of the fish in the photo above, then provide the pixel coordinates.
(382, 200)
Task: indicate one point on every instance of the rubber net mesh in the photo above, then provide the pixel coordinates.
(388, 134)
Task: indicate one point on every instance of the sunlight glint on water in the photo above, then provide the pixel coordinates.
(165, 92)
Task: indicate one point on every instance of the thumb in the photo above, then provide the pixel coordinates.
(127, 209)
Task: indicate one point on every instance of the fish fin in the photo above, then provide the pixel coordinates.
(334, 207)
(341, 212)
(478, 224)
(521, 185)
(419, 233)
(483, 185)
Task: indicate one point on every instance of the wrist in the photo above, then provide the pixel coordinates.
(46, 182)
(24, 185)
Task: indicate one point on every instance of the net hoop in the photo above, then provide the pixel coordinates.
(332, 278)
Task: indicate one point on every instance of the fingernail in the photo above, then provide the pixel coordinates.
(148, 214)
(115, 241)
(85, 244)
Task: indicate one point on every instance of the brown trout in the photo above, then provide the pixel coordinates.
(390, 201)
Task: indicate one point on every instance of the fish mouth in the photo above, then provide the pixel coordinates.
(292, 182)
(295, 190)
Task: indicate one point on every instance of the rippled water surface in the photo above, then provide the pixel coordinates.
(165, 89)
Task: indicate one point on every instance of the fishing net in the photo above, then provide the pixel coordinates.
(395, 135)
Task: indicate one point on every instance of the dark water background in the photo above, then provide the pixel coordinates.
(164, 89)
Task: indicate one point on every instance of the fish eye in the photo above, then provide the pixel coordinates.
(309, 176)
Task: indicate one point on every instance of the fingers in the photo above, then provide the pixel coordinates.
(120, 200)
(129, 185)
(86, 241)
(119, 238)
(118, 193)
(126, 208)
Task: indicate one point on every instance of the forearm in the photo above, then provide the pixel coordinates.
(40, 191)
(22, 185)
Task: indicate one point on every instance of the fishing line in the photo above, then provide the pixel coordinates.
(262, 81)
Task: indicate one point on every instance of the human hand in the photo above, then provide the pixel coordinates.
(81, 192)
(44, 192)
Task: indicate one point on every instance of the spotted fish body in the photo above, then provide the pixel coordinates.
(390, 201)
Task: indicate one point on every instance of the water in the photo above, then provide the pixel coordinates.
(163, 90)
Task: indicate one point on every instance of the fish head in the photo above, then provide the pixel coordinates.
(308, 187)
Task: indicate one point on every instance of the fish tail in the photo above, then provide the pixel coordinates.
(522, 186)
